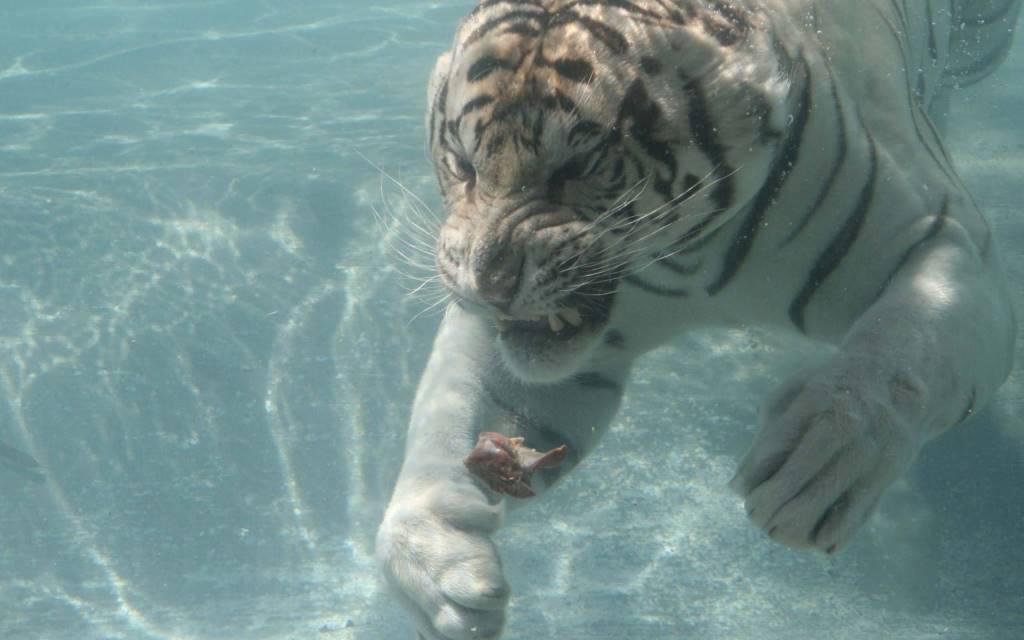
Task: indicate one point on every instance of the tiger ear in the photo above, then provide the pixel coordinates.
(438, 77)
(438, 82)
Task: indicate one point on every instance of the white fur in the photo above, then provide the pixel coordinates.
(906, 366)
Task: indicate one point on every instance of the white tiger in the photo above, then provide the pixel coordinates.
(616, 172)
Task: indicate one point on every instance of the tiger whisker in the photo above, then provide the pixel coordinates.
(623, 259)
(422, 218)
(669, 206)
(676, 201)
(423, 285)
(626, 200)
(426, 233)
(417, 280)
(629, 246)
(420, 227)
(414, 247)
(443, 301)
(683, 197)
(394, 234)
(402, 187)
(411, 254)
(410, 230)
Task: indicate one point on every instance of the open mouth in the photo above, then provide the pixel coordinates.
(547, 346)
(578, 315)
(585, 311)
(562, 323)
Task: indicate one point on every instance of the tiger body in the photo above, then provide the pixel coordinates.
(616, 172)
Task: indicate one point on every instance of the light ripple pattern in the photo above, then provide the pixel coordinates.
(210, 351)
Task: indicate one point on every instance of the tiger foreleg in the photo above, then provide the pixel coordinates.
(932, 349)
(435, 542)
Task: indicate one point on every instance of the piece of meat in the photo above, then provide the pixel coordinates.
(506, 464)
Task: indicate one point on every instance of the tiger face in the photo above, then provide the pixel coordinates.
(567, 163)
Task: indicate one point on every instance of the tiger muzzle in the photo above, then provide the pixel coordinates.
(497, 272)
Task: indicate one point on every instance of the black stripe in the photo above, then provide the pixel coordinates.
(478, 102)
(523, 29)
(614, 338)
(667, 292)
(705, 134)
(933, 46)
(574, 69)
(622, 5)
(675, 267)
(673, 13)
(618, 176)
(780, 171)
(650, 65)
(496, 141)
(627, 214)
(486, 65)
(697, 235)
(644, 115)
(494, 23)
(487, 4)
(840, 161)
(610, 37)
(537, 132)
(594, 380)
(695, 239)
(783, 56)
(833, 255)
(494, 145)
(558, 100)
(439, 107)
(584, 128)
(724, 33)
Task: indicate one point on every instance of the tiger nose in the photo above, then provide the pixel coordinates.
(497, 277)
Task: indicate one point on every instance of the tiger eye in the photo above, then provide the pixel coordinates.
(464, 171)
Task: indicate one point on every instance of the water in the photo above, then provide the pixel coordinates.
(204, 348)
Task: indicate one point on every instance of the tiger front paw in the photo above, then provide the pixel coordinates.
(435, 550)
(831, 441)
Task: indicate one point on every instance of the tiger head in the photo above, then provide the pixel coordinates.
(576, 141)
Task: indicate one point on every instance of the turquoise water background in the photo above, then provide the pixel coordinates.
(206, 348)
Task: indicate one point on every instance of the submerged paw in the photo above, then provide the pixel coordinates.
(828, 447)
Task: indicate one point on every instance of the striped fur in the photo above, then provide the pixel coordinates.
(746, 142)
(616, 172)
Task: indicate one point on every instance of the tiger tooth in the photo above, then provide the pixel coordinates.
(555, 322)
(572, 316)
